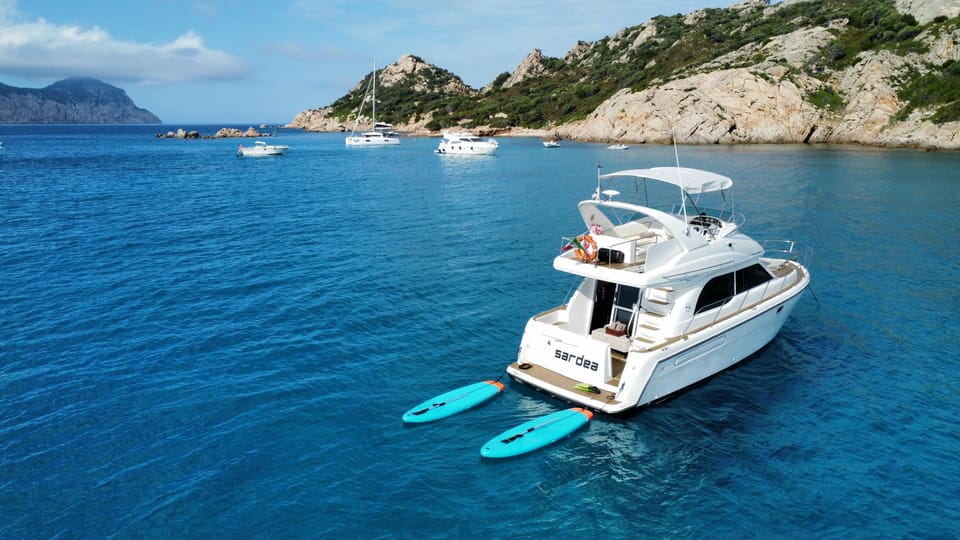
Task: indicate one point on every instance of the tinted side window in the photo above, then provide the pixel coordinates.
(715, 292)
(751, 276)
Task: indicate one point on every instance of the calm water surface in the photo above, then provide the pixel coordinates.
(196, 345)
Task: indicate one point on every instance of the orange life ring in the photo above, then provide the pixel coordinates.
(586, 248)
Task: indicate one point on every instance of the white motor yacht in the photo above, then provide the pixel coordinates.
(669, 296)
(261, 149)
(466, 143)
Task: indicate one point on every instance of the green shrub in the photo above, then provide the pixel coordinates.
(826, 98)
(938, 90)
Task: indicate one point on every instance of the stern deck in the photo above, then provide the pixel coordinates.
(554, 379)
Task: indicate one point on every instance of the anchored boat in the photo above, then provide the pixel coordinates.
(383, 133)
(671, 294)
(466, 143)
(261, 149)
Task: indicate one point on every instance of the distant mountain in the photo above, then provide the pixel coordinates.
(877, 72)
(71, 101)
(406, 90)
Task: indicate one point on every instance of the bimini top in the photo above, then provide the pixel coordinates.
(690, 180)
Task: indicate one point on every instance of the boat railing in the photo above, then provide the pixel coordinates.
(633, 251)
(727, 307)
(788, 250)
(725, 215)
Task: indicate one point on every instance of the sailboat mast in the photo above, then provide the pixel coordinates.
(374, 94)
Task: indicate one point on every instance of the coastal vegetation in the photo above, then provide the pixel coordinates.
(672, 47)
(938, 88)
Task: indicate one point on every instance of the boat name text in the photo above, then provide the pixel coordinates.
(579, 360)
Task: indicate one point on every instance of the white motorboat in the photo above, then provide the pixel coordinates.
(382, 134)
(617, 147)
(669, 296)
(551, 144)
(466, 143)
(261, 149)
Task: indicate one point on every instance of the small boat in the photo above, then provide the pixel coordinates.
(382, 134)
(617, 147)
(261, 149)
(670, 294)
(551, 144)
(466, 143)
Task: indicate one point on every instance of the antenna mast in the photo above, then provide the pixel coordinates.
(683, 192)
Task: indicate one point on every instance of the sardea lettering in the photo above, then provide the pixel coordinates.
(578, 360)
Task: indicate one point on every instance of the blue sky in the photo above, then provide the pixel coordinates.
(211, 61)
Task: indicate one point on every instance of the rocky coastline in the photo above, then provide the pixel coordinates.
(759, 94)
(222, 133)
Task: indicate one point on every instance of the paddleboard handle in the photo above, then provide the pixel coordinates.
(498, 384)
(512, 438)
(450, 402)
(509, 440)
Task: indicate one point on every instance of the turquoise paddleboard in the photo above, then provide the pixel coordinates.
(453, 402)
(536, 433)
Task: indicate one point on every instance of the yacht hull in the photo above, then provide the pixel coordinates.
(712, 355)
(648, 376)
(368, 141)
(484, 150)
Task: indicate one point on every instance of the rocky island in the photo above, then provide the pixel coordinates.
(872, 72)
(71, 101)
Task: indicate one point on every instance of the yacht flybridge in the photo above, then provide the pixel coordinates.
(670, 294)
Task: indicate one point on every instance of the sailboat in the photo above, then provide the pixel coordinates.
(382, 133)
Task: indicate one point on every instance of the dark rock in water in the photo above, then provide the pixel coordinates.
(71, 101)
(229, 133)
(179, 134)
(223, 133)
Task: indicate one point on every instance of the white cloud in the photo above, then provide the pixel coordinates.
(41, 49)
(294, 50)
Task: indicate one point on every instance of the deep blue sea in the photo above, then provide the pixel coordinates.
(194, 345)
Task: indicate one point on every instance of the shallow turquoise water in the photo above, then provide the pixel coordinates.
(196, 345)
